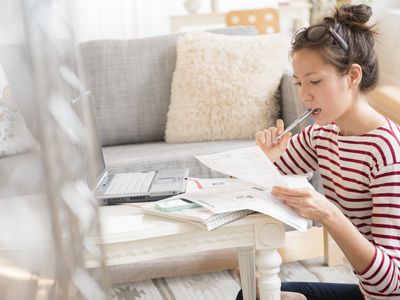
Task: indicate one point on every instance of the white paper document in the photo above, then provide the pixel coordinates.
(251, 165)
(246, 196)
(195, 184)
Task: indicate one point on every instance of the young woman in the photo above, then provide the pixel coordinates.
(356, 149)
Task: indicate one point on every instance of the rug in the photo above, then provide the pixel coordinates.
(223, 284)
(216, 285)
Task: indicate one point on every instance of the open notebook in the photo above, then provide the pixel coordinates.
(199, 216)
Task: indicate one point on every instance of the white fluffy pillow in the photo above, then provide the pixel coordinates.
(223, 86)
(14, 135)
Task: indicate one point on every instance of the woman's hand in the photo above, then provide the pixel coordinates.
(265, 140)
(307, 203)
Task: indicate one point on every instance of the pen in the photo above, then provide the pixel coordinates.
(295, 123)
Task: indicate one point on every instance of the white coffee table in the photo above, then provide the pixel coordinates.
(129, 236)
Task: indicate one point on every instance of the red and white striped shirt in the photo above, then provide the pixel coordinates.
(361, 175)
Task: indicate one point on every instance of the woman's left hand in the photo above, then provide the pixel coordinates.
(307, 203)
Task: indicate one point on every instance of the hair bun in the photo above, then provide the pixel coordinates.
(353, 14)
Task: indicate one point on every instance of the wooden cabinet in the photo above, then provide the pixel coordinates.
(386, 100)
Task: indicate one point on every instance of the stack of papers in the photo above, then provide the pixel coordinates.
(199, 216)
(253, 166)
(255, 175)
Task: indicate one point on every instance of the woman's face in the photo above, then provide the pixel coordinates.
(320, 87)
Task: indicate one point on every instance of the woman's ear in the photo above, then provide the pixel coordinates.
(354, 75)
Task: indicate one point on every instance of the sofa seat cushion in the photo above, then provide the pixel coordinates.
(158, 155)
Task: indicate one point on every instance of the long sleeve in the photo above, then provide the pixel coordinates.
(382, 277)
(300, 156)
(361, 176)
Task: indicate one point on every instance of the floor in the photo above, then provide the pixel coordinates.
(223, 285)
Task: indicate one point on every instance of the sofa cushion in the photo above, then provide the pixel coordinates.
(15, 137)
(22, 174)
(150, 156)
(291, 107)
(130, 81)
(223, 86)
(15, 60)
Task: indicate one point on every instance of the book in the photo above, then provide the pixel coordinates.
(199, 216)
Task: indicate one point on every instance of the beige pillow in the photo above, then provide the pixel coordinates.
(14, 135)
(223, 86)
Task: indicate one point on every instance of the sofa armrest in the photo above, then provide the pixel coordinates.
(291, 107)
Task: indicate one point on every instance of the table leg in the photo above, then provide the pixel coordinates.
(247, 273)
(268, 263)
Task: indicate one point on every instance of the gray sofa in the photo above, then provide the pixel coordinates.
(130, 82)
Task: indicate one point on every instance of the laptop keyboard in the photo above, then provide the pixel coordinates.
(127, 183)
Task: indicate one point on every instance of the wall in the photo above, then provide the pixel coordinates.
(388, 24)
(379, 6)
(105, 19)
(11, 21)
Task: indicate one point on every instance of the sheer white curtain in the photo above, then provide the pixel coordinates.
(114, 19)
(11, 22)
(228, 5)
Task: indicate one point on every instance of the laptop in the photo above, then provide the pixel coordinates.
(127, 187)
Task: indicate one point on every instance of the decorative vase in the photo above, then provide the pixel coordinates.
(192, 6)
(214, 5)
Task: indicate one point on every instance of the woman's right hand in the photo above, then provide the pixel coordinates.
(265, 140)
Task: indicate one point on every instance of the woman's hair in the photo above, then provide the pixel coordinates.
(349, 21)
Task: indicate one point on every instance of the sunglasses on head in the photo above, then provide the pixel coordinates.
(315, 33)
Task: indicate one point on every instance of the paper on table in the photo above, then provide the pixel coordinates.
(252, 165)
(246, 196)
(198, 215)
(195, 183)
(249, 164)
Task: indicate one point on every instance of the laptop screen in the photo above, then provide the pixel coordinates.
(96, 154)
